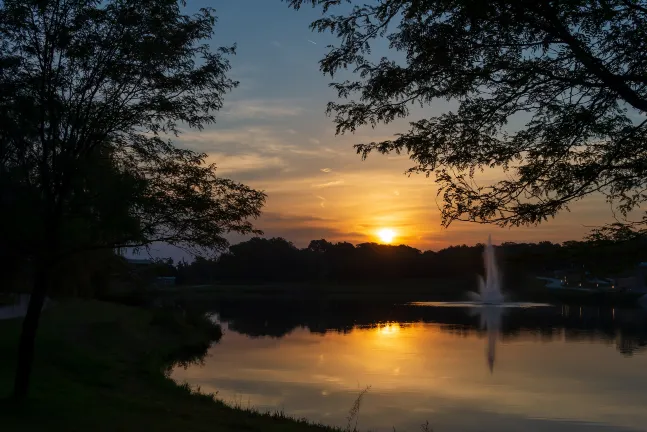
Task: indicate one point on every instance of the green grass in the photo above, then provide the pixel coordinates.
(100, 367)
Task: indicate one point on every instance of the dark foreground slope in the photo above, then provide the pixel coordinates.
(101, 367)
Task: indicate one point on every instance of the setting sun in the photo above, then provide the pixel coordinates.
(386, 235)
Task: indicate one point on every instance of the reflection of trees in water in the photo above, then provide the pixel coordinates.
(626, 328)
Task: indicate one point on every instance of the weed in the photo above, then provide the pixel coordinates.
(353, 414)
(425, 427)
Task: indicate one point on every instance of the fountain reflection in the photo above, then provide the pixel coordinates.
(491, 319)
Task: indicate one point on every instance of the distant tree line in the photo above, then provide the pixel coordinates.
(261, 260)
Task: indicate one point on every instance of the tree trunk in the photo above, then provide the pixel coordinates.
(28, 336)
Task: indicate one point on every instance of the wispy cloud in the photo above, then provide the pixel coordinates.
(302, 228)
(218, 136)
(326, 170)
(260, 109)
(328, 184)
(261, 150)
(302, 235)
(244, 162)
(277, 217)
(276, 44)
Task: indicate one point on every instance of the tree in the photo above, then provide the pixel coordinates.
(274, 259)
(568, 76)
(319, 246)
(90, 90)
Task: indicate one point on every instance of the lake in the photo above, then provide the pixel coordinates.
(548, 368)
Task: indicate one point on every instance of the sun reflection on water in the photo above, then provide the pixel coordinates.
(389, 329)
(416, 368)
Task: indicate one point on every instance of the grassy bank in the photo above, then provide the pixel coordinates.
(100, 366)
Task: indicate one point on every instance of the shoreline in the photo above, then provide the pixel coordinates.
(103, 367)
(12, 309)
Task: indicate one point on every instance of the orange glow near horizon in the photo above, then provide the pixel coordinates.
(365, 208)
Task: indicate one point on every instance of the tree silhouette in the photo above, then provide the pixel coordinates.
(274, 259)
(569, 76)
(89, 91)
(277, 260)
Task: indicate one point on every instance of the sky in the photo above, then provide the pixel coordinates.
(273, 134)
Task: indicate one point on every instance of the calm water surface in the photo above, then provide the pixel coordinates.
(461, 369)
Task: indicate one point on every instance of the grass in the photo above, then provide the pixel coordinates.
(100, 367)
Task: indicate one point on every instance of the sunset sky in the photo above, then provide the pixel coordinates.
(274, 135)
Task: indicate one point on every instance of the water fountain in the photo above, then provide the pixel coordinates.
(490, 297)
(489, 303)
(490, 286)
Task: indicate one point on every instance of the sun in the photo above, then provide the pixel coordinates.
(386, 235)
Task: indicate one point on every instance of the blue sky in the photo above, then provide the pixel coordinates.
(273, 134)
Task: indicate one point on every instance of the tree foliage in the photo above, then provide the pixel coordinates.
(554, 93)
(90, 91)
